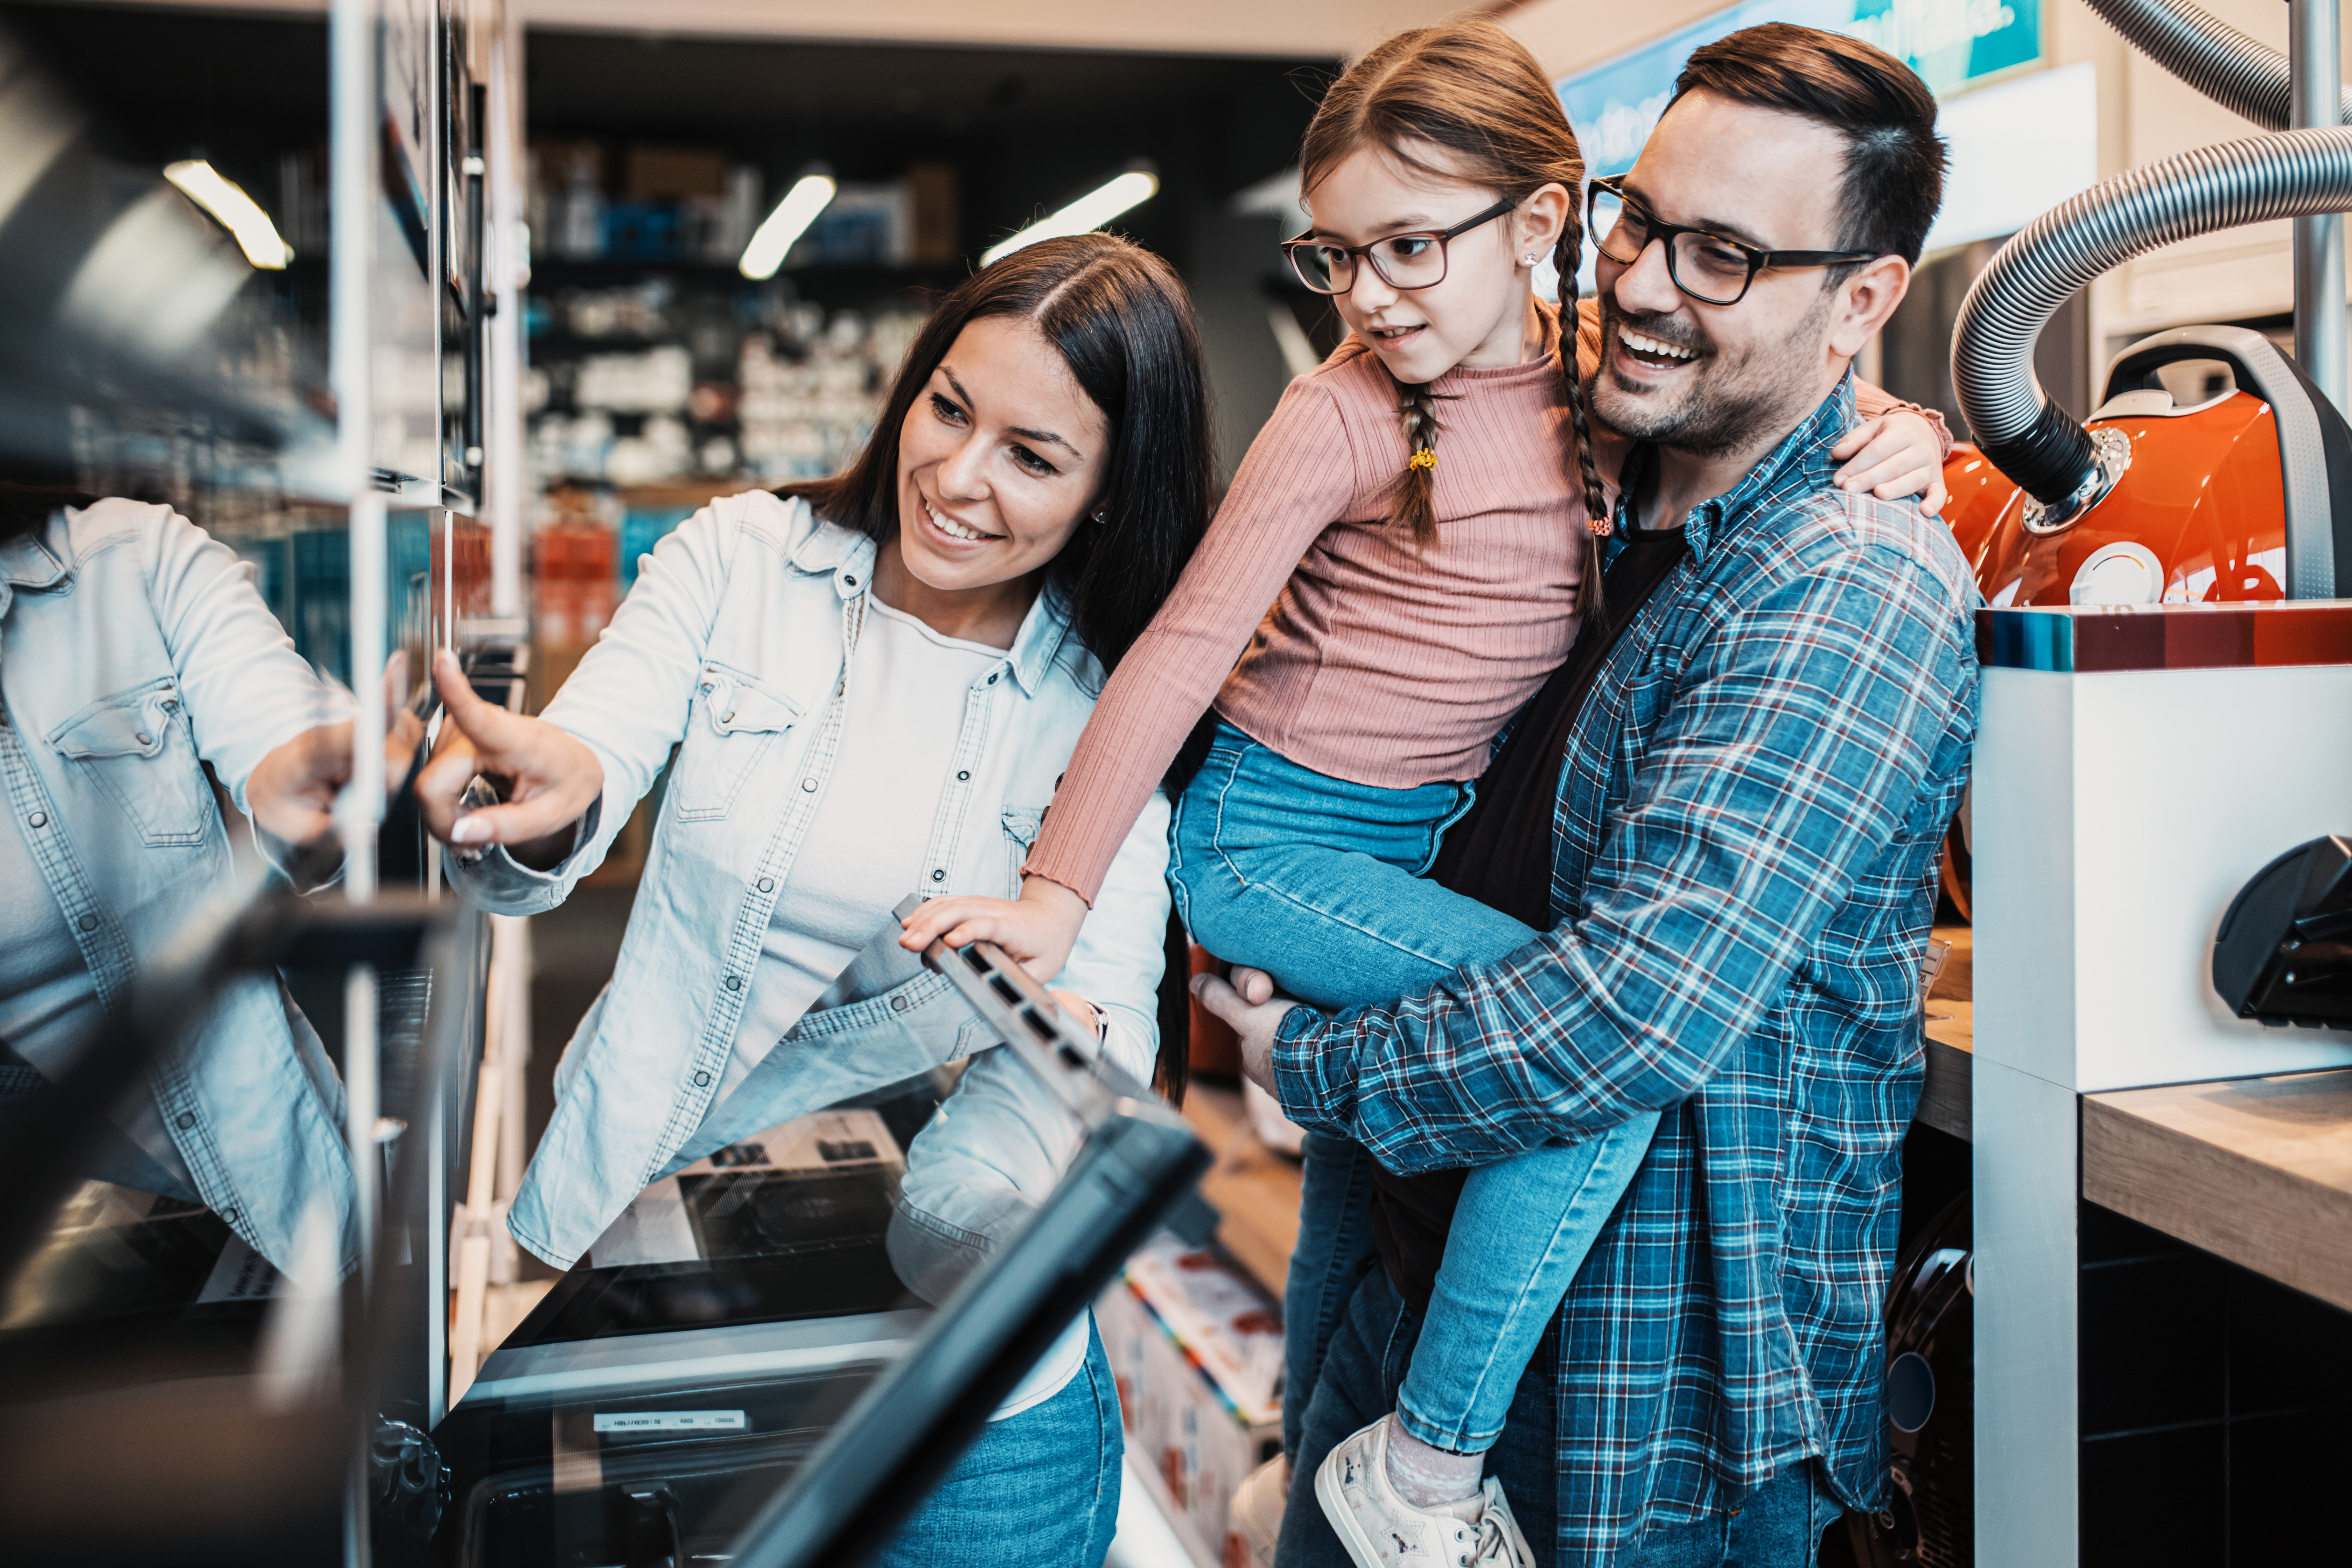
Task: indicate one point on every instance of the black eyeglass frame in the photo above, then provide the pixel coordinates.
(1666, 232)
(1291, 247)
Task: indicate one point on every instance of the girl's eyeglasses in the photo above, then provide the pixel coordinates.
(1403, 261)
(1706, 267)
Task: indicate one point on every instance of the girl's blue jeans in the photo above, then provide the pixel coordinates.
(1319, 881)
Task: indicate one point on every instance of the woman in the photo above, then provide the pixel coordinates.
(872, 684)
(137, 652)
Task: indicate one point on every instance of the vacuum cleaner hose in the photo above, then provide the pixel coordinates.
(2244, 77)
(2295, 173)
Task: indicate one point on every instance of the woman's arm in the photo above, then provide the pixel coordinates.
(247, 692)
(603, 738)
(1001, 1142)
(1123, 947)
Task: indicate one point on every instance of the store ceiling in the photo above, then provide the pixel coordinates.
(1326, 27)
(1205, 27)
(612, 84)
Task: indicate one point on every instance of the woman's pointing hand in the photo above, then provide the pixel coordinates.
(555, 777)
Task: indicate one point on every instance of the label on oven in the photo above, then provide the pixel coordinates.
(669, 1421)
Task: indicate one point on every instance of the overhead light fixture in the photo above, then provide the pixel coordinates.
(1089, 212)
(226, 200)
(774, 236)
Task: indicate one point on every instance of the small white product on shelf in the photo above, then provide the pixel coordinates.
(656, 381)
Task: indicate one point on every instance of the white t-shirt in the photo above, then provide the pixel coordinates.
(48, 997)
(865, 850)
(49, 1003)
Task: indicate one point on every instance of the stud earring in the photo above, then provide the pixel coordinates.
(1099, 516)
(1529, 259)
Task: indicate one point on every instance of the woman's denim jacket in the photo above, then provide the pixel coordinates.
(133, 649)
(727, 662)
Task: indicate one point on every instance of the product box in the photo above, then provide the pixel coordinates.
(1196, 1346)
(818, 1183)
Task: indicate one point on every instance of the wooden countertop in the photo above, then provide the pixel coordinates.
(2257, 1170)
(1951, 1036)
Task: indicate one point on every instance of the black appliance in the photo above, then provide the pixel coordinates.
(1929, 1521)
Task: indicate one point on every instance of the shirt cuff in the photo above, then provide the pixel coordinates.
(1303, 1044)
(501, 870)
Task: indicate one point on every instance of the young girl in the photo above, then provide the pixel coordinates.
(1422, 512)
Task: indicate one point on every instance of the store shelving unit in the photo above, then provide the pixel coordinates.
(2110, 1088)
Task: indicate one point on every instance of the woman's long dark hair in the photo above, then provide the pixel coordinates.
(1123, 323)
(26, 508)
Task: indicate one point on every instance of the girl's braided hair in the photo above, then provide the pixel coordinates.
(1473, 91)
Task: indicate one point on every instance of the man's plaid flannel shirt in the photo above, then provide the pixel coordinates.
(1744, 857)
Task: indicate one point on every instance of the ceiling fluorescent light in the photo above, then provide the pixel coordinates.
(773, 238)
(1089, 212)
(226, 200)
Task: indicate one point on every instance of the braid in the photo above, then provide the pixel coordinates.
(1597, 522)
(1417, 486)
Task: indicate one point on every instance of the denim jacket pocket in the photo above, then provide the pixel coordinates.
(1022, 825)
(137, 745)
(733, 724)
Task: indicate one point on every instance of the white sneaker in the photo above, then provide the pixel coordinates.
(1254, 1521)
(1380, 1530)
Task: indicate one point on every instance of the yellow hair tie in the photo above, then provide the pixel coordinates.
(1424, 458)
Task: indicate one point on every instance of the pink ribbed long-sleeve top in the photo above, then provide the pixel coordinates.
(1379, 662)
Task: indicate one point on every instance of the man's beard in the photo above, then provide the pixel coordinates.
(1730, 404)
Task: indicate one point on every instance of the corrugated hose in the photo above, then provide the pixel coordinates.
(2244, 77)
(2291, 174)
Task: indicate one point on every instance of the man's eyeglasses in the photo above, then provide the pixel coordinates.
(1708, 268)
(1414, 260)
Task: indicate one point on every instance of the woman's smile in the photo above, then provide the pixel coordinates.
(951, 530)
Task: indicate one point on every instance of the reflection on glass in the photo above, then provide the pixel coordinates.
(148, 696)
(173, 609)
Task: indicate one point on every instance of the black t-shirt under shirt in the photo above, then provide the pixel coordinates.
(1500, 854)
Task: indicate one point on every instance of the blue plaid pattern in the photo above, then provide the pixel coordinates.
(1744, 866)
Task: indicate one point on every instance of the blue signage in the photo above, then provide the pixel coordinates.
(1952, 43)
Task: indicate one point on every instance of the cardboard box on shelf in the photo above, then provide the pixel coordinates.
(667, 174)
(1196, 1347)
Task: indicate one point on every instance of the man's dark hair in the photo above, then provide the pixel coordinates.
(1894, 159)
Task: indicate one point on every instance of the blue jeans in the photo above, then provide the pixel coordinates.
(1040, 1488)
(1779, 1525)
(1317, 881)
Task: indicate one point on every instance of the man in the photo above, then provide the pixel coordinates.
(1737, 786)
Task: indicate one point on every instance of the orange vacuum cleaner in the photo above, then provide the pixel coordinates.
(2213, 469)
(2215, 464)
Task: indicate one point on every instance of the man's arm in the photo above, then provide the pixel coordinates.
(1794, 754)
